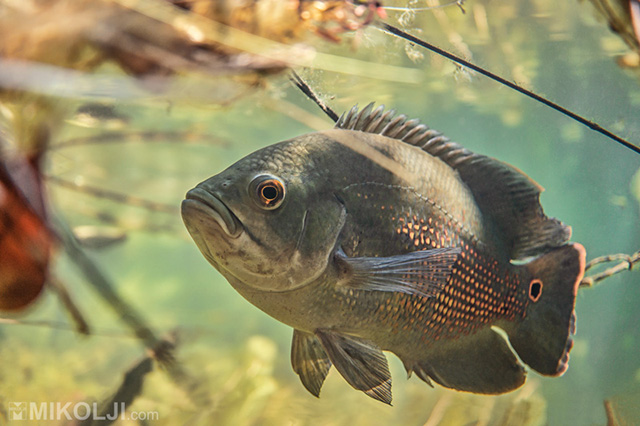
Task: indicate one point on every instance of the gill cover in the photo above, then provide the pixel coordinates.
(289, 224)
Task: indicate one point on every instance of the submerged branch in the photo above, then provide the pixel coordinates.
(161, 349)
(178, 137)
(307, 90)
(459, 3)
(72, 309)
(105, 288)
(115, 196)
(593, 126)
(45, 324)
(109, 410)
(612, 419)
(625, 263)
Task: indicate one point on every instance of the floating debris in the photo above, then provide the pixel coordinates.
(99, 115)
(26, 241)
(99, 237)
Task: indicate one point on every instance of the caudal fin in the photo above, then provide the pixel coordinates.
(543, 338)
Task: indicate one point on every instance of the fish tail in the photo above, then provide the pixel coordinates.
(542, 338)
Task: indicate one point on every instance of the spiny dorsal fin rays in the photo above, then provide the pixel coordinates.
(364, 117)
(386, 123)
(382, 117)
(505, 195)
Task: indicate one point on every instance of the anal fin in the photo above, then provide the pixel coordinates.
(309, 360)
(361, 363)
(480, 363)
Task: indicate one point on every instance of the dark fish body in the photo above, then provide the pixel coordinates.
(382, 234)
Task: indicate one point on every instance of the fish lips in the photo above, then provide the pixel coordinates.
(204, 202)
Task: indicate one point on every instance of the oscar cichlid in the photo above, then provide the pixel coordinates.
(383, 235)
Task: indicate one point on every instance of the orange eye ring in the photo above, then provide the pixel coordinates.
(268, 191)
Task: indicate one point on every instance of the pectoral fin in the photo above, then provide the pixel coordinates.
(362, 364)
(309, 361)
(422, 273)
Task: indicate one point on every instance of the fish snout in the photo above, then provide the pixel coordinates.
(199, 201)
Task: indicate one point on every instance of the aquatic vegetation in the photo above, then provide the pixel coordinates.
(245, 389)
(623, 18)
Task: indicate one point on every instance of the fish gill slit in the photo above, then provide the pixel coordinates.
(302, 230)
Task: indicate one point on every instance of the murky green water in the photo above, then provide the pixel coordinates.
(240, 355)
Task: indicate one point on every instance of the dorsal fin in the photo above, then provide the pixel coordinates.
(504, 194)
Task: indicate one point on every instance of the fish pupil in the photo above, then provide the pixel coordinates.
(269, 192)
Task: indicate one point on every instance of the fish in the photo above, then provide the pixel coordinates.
(381, 234)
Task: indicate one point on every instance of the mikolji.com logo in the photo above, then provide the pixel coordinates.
(75, 411)
(17, 411)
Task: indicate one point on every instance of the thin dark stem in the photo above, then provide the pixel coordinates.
(596, 127)
(114, 196)
(163, 350)
(71, 307)
(107, 290)
(306, 89)
(137, 137)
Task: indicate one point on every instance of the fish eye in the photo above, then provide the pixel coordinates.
(268, 191)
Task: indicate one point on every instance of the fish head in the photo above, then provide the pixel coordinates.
(267, 222)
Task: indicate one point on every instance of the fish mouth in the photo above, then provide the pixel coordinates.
(207, 203)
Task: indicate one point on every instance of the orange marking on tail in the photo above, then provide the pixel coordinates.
(535, 290)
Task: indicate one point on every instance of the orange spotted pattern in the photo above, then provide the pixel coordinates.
(479, 291)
